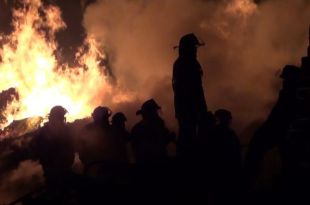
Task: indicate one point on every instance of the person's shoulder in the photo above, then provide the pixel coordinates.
(42, 131)
(161, 123)
(177, 63)
(222, 131)
(137, 125)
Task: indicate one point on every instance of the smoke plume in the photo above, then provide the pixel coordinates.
(27, 177)
(247, 44)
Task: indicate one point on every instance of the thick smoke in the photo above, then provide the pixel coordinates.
(247, 44)
(28, 176)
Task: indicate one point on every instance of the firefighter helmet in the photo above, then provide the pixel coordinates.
(148, 106)
(189, 40)
(101, 112)
(57, 112)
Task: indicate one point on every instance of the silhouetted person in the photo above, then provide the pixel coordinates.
(274, 131)
(149, 139)
(100, 151)
(296, 146)
(150, 136)
(296, 157)
(203, 146)
(119, 130)
(54, 148)
(287, 127)
(206, 127)
(189, 100)
(201, 165)
(223, 160)
(119, 126)
(92, 139)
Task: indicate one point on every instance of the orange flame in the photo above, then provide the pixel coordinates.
(29, 64)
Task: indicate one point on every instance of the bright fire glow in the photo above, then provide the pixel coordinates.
(28, 63)
(241, 7)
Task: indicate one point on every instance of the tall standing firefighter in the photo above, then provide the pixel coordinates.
(189, 99)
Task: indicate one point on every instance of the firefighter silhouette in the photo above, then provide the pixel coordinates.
(149, 137)
(225, 154)
(274, 130)
(53, 145)
(119, 126)
(189, 100)
(296, 146)
(102, 152)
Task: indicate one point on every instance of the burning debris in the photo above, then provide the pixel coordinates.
(7, 97)
(21, 127)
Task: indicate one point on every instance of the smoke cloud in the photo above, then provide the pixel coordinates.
(247, 44)
(28, 176)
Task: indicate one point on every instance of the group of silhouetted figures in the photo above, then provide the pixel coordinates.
(121, 166)
(113, 156)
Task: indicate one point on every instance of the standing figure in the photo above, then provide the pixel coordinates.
(150, 137)
(102, 150)
(274, 130)
(53, 146)
(94, 141)
(189, 100)
(121, 135)
(119, 126)
(224, 160)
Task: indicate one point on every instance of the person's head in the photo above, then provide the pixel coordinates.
(57, 115)
(149, 109)
(188, 46)
(101, 115)
(223, 117)
(290, 75)
(119, 119)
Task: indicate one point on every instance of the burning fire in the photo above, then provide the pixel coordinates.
(28, 63)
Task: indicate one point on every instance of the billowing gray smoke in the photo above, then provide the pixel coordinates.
(247, 44)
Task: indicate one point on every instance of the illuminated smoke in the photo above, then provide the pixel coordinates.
(247, 44)
(28, 176)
